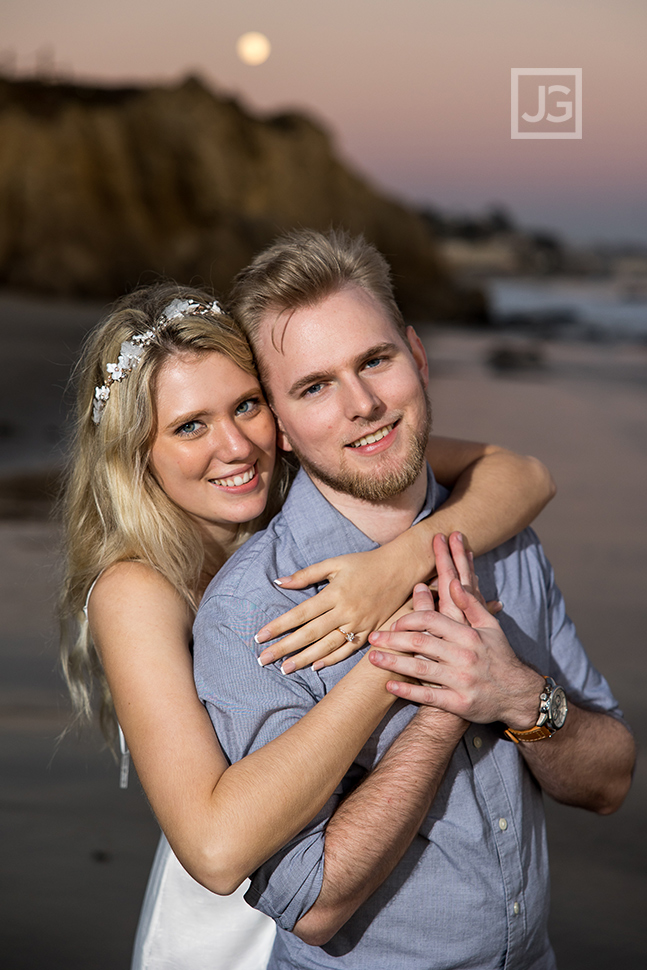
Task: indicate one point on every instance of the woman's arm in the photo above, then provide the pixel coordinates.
(495, 493)
(221, 821)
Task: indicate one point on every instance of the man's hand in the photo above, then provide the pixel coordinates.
(471, 670)
(461, 655)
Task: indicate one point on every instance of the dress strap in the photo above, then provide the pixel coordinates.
(124, 765)
(92, 585)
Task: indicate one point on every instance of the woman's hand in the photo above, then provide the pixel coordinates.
(364, 589)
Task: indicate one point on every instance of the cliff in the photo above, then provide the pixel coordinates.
(102, 188)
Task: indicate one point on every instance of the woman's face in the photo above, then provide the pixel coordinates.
(214, 450)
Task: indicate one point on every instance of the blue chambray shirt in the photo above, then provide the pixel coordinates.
(472, 890)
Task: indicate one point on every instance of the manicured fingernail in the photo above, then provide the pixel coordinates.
(277, 582)
(288, 667)
(260, 637)
(265, 658)
(318, 665)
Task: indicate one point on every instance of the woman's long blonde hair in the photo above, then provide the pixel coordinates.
(113, 508)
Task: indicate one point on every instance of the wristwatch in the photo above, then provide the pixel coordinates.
(553, 708)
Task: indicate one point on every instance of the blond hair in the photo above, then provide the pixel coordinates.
(113, 508)
(303, 267)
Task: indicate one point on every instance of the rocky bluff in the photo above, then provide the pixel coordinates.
(101, 188)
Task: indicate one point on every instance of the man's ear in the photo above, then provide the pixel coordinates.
(282, 439)
(419, 355)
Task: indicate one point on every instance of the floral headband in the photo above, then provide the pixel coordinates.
(130, 352)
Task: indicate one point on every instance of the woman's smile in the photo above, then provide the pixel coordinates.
(239, 481)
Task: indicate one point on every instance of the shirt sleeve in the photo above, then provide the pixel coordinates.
(250, 705)
(570, 664)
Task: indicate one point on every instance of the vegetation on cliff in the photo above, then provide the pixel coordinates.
(101, 188)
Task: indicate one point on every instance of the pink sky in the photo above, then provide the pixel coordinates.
(416, 92)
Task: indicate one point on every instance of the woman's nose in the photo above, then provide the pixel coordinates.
(232, 444)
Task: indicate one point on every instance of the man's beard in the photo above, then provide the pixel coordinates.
(367, 486)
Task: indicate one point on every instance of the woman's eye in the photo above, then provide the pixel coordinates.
(246, 407)
(188, 429)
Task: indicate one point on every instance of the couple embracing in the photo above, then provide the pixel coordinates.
(384, 787)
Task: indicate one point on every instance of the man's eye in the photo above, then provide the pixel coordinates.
(374, 361)
(313, 389)
(246, 407)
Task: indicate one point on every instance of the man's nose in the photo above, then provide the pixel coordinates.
(360, 399)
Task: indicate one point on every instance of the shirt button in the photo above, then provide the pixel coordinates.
(477, 742)
(503, 824)
(516, 909)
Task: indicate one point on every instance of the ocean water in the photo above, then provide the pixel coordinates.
(602, 309)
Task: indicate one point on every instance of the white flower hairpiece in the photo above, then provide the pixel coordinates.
(131, 351)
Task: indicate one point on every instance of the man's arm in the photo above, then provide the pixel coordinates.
(588, 763)
(372, 829)
(473, 672)
(328, 870)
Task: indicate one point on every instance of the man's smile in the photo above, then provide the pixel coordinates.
(374, 436)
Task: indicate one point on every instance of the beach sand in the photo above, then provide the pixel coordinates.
(585, 415)
(76, 849)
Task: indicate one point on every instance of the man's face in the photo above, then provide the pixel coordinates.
(349, 393)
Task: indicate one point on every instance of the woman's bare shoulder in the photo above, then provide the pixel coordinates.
(138, 589)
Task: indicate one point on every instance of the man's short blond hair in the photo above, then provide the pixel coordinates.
(303, 267)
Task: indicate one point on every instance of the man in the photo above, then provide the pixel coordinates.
(444, 859)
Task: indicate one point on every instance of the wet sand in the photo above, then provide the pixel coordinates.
(76, 849)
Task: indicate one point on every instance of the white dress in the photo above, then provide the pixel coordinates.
(183, 926)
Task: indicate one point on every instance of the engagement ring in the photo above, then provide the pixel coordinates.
(349, 636)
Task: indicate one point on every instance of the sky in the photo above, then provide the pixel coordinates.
(415, 92)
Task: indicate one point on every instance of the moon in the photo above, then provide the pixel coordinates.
(253, 48)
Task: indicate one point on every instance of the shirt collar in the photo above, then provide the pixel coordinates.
(316, 524)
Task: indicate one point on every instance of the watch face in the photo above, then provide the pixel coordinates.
(558, 707)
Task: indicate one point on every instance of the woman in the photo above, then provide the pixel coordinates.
(168, 370)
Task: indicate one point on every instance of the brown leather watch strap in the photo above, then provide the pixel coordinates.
(533, 734)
